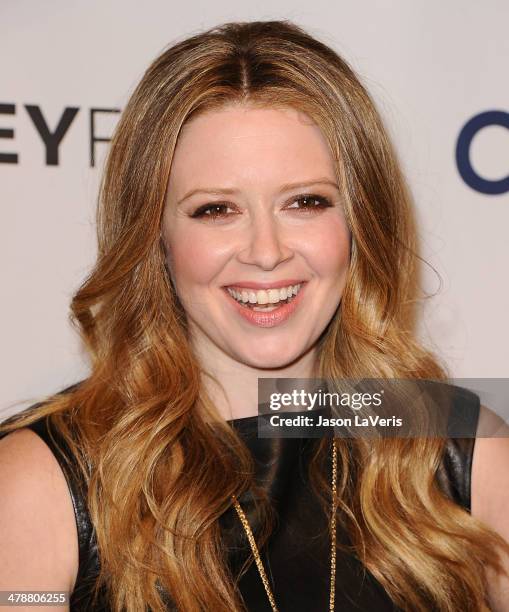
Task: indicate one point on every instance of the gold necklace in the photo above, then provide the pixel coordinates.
(256, 554)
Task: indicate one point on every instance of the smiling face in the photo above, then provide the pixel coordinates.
(233, 223)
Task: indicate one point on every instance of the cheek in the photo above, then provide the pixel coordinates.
(329, 249)
(192, 260)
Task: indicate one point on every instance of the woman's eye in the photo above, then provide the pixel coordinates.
(310, 203)
(307, 203)
(211, 211)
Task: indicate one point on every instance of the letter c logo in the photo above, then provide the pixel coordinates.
(468, 174)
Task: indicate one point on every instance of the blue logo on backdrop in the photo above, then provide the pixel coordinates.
(469, 130)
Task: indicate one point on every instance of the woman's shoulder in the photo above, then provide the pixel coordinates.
(490, 467)
(490, 492)
(42, 437)
(37, 513)
(42, 455)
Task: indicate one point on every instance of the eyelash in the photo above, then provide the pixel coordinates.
(324, 203)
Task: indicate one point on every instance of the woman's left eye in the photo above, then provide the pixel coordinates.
(311, 203)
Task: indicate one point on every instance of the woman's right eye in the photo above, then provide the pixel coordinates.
(211, 211)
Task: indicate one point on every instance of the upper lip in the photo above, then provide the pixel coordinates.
(274, 285)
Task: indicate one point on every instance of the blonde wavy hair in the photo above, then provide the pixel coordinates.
(142, 427)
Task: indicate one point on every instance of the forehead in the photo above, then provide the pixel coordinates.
(252, 144)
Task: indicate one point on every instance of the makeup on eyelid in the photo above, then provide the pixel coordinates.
(284, 188)
(324, 202)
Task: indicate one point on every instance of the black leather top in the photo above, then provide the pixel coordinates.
(296, 557)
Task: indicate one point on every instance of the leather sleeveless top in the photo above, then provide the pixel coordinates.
(297, 555)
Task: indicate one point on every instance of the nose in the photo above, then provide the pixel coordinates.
(264, 243)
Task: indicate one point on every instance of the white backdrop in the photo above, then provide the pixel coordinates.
(431, 67)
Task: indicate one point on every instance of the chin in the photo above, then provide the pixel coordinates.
(273, 360)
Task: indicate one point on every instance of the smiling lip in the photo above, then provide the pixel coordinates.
(274, 285)
(272, 318)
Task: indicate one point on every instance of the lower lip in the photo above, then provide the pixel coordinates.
(272, 318)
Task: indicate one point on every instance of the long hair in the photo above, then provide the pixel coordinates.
(159, 463)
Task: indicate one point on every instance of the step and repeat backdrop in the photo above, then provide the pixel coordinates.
(438, 73)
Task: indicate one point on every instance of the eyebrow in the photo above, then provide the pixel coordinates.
(285, 187)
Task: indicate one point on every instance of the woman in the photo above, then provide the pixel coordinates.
(250, 166)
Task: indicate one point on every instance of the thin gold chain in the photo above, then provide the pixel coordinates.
(256, 554)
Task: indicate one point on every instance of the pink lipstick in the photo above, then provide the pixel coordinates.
(273, 317)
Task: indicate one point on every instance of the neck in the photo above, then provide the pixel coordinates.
(240, 381)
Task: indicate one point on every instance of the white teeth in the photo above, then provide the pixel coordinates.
(262, 296)
(273, 296)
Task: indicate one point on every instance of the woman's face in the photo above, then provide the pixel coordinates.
(253, 210)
